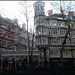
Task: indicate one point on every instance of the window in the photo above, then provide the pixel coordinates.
(37, 40)
(67, 17)
(39, 31)
(12, 36)
(72, 33)
(4, 44)
(49, 31)
(43, 40)
(41, 8)
(66, 52)
(51, 51)
(53, 31)
(68, 41)
(63, 31)
(4, 25)
(61, 24)
(73, 41)
(11, 45)
(16, 37)
(4, 32)
(38, 22)
(55, 41)
(17, 47)
(53, 22)
(41, 21)
(9, 35)
(71, 18)
(49, 40)
(54, 52)
(43, 30)
(40, 40)
(16, 31)
(22, 47)
(62, 39)
(38, 8)
(10, 27)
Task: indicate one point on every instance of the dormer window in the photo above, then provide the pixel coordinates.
(70, 17)
(41, 8)
(67, 17)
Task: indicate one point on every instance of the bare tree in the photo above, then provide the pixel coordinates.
(26, 12)
(62, 7)
(11, 26)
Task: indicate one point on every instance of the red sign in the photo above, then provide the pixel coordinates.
(50, 12)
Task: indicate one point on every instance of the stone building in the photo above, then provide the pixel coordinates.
(50, 33)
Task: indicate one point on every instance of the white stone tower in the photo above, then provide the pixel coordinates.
(41, 28)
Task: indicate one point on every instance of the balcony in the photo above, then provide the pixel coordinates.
(63, 27)
(38, 34)
(54, 35)
(41, 45)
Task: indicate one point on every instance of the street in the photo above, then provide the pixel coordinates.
(65, 72)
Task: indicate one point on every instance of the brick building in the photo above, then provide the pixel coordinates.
(14, 41)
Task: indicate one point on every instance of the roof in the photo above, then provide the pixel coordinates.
(58, 17)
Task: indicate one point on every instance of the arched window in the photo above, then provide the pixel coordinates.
(38, 8)
(41, 8)
(4, 44)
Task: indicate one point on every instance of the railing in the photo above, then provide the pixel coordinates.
(42, 34)
(41, 43)
(19, 52)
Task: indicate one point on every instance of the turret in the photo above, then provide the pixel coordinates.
(41, 28)
(39, 8)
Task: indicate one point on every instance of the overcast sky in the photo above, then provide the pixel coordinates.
(11, 9)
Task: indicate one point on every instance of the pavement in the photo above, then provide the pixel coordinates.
(64, 72)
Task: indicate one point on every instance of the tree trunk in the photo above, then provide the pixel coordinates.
(45, 61)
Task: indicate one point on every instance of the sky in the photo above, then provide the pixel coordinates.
(11, 9)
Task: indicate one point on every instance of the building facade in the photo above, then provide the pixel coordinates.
(50, 33)
(14, 41)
